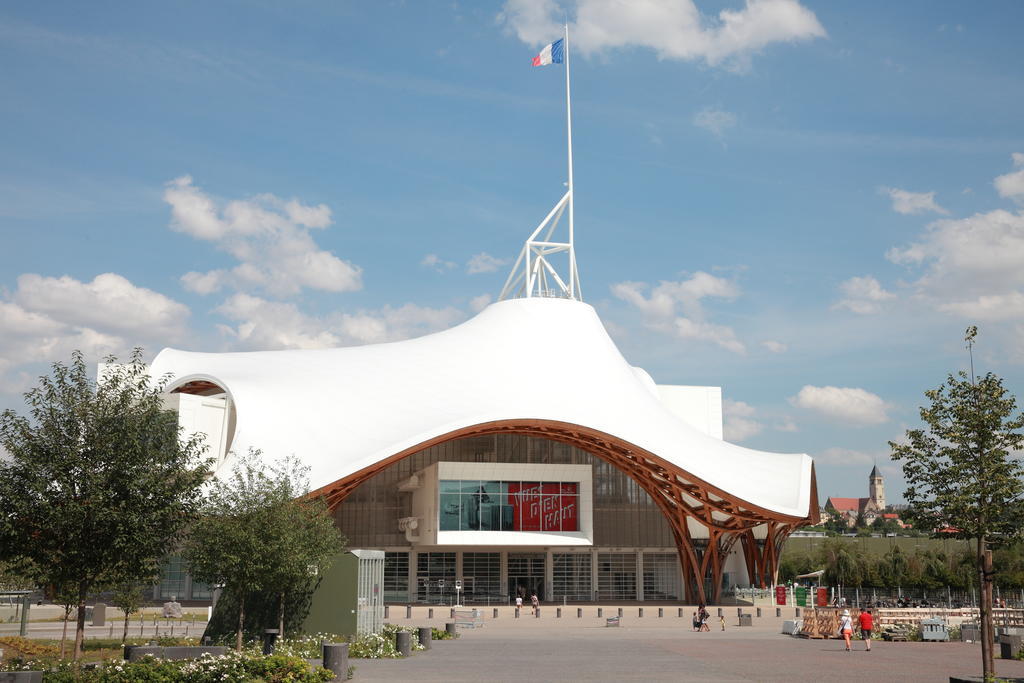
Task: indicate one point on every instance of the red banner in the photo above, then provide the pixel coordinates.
(780, 595)
(822, 597)
(544, 506)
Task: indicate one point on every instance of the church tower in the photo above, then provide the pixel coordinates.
(876, 488)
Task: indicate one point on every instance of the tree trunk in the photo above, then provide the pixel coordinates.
(80, 623)
(985, 610)
(241, 624)
(280, 615)
(64, 633)
(124, 636)
(990, 663)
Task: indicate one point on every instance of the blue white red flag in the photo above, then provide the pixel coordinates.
(551, 54)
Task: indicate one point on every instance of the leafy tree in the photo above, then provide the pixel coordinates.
(258, 533)
(840, 564)
(99, 482)
(128, 597)
(962, 473)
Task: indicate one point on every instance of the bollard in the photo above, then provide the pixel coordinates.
(99, 614)
(558, 613)
(387, 611)
(797, 612)
(600, 612)
(408, 611)
(579, 612)
(679, 613)
(426, 636)
(450, 627)
(620, 613)
(661, 612)
(778, 611)
(403, 643)
(452, 615)
(336, 659)
(640, 612)
(269, 636)
(430, 613)
(495, 612)
(758, 611)
(536, 612)
(739, 611)
(517, 612)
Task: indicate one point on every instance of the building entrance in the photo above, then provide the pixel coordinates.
(525, 576)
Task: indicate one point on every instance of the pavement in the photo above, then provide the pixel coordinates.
(661, 649)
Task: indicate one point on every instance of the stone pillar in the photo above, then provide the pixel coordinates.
(99, 614)
(403, 643)
(336, 659)
(426, 636)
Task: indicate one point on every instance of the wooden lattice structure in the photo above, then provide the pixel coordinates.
(706, 521)
(823, 622)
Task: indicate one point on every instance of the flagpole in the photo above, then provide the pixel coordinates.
(568, 124)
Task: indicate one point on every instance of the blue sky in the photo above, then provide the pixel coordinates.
(804, 203)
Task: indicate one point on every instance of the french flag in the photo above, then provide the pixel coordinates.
(551, 54)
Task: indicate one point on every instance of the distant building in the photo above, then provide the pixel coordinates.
(869, 509)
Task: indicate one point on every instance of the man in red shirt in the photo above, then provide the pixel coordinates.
(865, 627)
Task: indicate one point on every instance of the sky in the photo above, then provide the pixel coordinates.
(805, 203)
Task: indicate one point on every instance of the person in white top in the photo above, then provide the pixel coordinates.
(846, 627)
(519, 602)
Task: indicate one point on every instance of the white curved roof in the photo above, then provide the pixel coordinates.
(341, 410)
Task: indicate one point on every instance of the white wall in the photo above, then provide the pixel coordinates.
(206, 415)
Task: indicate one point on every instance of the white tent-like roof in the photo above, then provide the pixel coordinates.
(344, 410)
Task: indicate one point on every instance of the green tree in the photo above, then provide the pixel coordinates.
(98, 483)
(258, 533)
(128, 597)
(962, 473)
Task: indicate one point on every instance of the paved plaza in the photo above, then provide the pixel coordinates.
(666, 649)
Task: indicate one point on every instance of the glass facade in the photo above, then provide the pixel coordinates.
(571, 575)
(662, 577)
(624, 515)
(525, 575)
(616, 576)
(396, 577)
(435, 577)
(508, 506)
(481, 577)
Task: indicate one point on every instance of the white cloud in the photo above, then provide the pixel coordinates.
(484, 263)
(912, 202)
(674, 29)
(787, 425)
(774, 346)
(739, 423)
(46, 318)
(262, 324)
(716, 121)
(971, 266)
(862, 295)
(269, 237)
(844, 457)
(435, 262)
(110, 303)
(1011, 185)
(845, 404)
(661, 308)
(479, 303)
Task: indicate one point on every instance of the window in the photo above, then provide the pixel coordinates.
(508, 506)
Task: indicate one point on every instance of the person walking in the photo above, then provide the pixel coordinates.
(534, 603)
(846, 627)
(866, 624)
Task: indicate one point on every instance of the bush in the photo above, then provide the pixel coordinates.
(441, 634)
(231, 668)
(381, 645)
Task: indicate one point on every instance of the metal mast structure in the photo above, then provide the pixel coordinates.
(533, 273)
